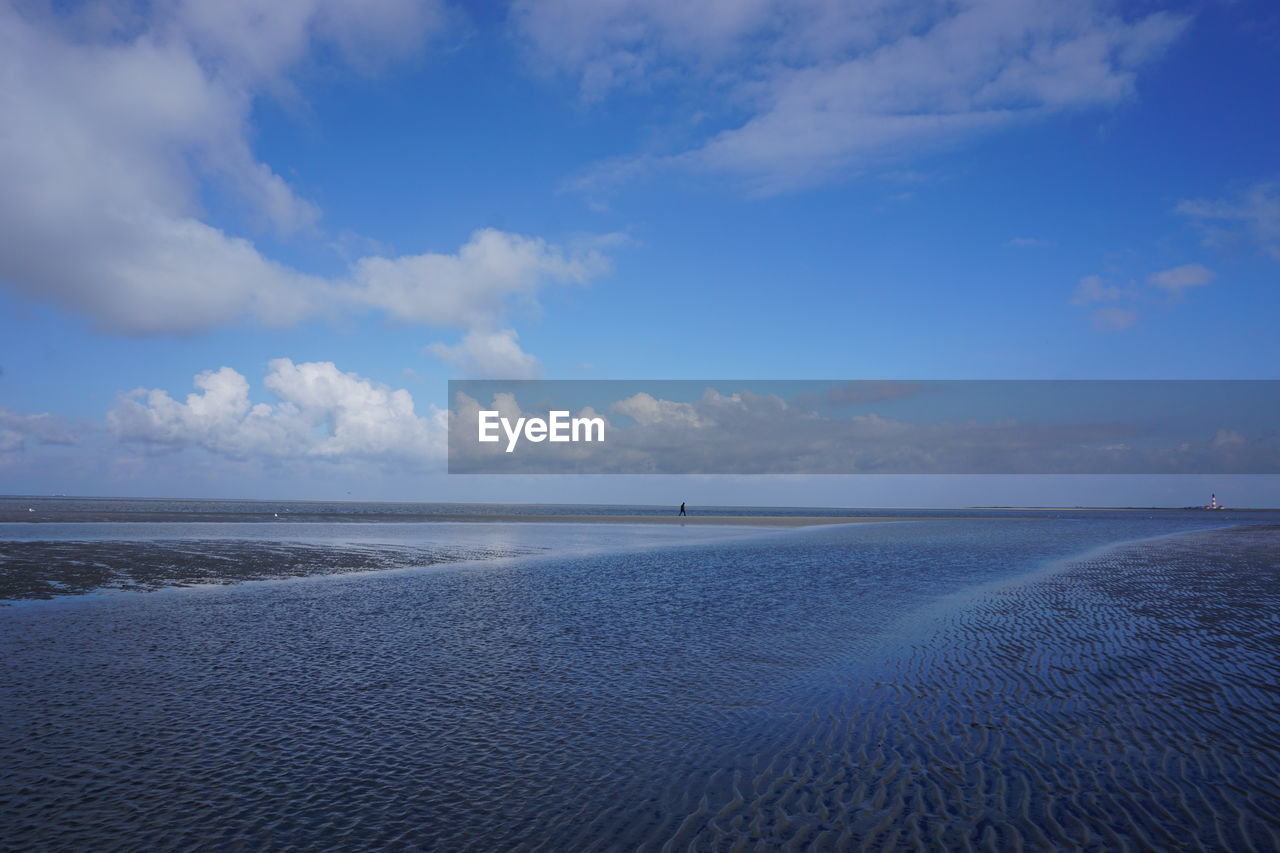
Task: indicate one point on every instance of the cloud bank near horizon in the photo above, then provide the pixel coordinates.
(322, 413)
(939, 427)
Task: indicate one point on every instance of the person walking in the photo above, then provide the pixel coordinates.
(682, 512)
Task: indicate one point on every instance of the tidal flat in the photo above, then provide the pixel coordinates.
(1076, 681)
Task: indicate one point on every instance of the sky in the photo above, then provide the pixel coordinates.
(244, 246)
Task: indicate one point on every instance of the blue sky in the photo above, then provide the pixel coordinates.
(573, 189)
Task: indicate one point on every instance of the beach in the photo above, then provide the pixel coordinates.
(1128, 701)
(681, 427)
(76, 552)
(1090, 681)
(58, 547)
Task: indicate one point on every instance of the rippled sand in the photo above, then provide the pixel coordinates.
(734, 696)
(1129, 702)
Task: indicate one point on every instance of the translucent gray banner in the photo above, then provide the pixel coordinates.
(864, 427)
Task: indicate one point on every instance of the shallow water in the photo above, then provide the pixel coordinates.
(758, 688)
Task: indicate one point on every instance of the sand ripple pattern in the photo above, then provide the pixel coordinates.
(749, 696)
(1130, 702)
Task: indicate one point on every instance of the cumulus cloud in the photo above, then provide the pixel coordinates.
(647, 410)
(470, 287)
(43, 427)
(99, 164)
(828, 86)
(119, 120)
(489, 355)
(322, 413)
(1254, 217)
(114, 124)
(1177, 280)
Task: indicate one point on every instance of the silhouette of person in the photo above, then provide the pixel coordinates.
(682, 512)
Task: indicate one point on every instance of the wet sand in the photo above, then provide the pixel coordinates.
(45, 569)
(1128, 702)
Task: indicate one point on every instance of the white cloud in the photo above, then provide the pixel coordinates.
(105, 146)
(1114, 319)
(607, 44)
(11, 441)
(1027, 243)
(647, 410)
(1092, 289)
(255, 42)
(1118, 308)
(827, 86)
(1228, 438)
(1178, 279)
(470, 288)
(45, 428)
(489, 355)
(711, 410)
(1253, 216)
(115, 124)
(322, 413)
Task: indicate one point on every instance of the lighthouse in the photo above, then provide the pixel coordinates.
(1213, 502)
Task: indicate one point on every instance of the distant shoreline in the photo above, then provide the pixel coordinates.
(736, 520)
(906, 510)
(468, 518)
(281, 512)
(1128, 508)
